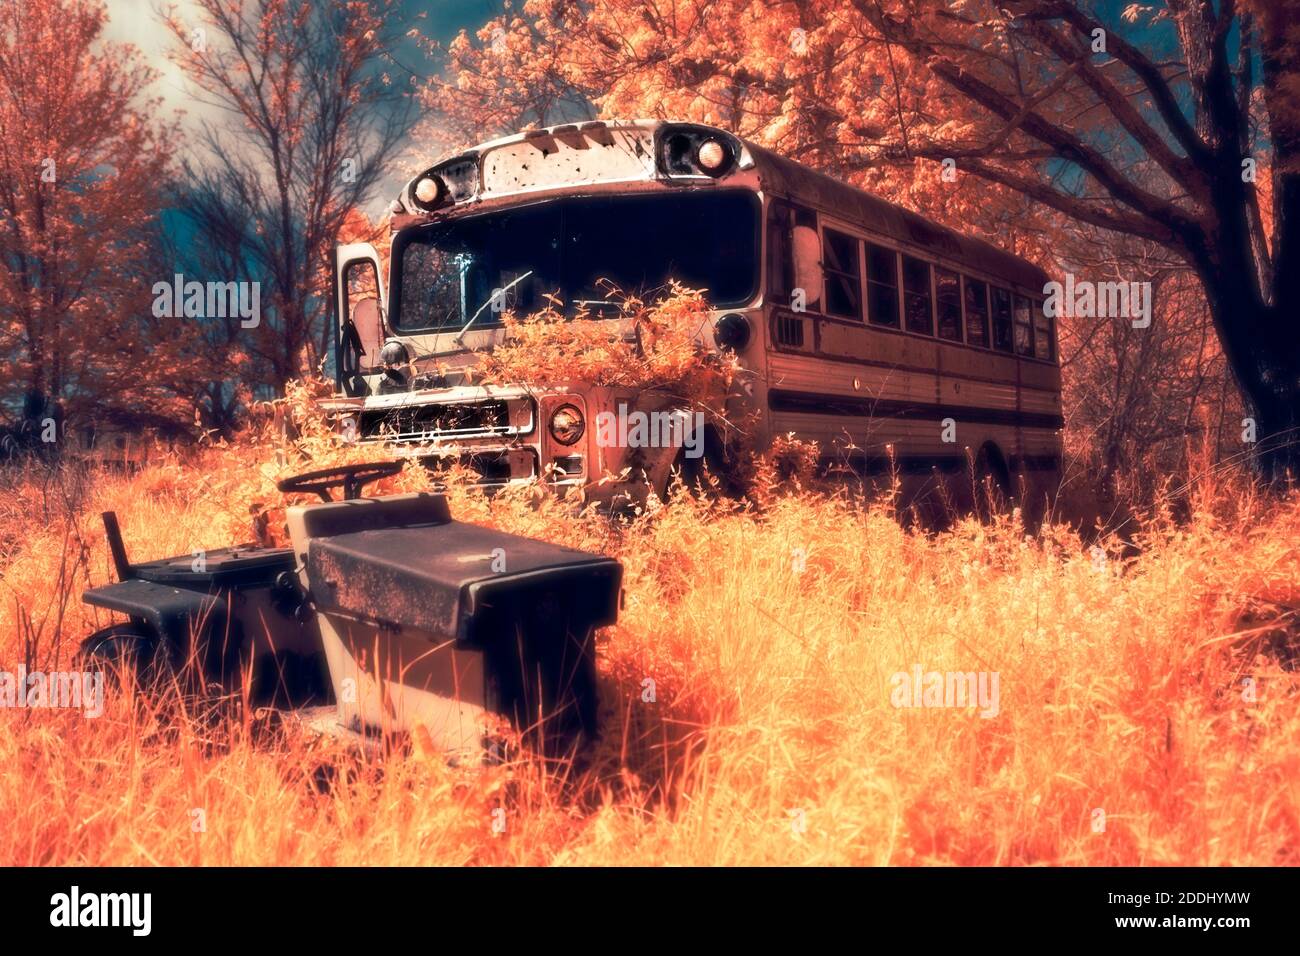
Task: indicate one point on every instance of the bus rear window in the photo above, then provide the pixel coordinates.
(916, 296)
(948, 299)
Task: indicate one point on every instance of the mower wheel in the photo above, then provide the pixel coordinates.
(124, 648)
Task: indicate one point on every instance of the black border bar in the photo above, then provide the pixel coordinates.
(982, 908)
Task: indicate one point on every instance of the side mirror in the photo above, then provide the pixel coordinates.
(807, 247)
(370, 330)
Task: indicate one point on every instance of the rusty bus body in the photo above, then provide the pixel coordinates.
(898, 345)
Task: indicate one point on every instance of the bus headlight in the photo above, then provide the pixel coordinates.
(567, 424)
(732, 332)
(429, 192)
(713, 157)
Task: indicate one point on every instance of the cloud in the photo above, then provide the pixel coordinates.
(137, 22)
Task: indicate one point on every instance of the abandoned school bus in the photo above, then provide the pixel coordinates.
(899, 346)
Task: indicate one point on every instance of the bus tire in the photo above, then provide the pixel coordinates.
(992, 480)
(696, 472)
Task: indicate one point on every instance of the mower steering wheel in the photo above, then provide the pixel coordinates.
(351, 478)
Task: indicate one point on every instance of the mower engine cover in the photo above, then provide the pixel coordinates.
(429, 622)
(444, 577)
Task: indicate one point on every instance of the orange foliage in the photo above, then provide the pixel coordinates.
(83, 169)
(810, 80)
(1121, 689)
(648, 346)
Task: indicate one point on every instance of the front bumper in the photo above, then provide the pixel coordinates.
(495, 432)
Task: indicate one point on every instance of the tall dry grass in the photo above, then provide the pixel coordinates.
(771, 636)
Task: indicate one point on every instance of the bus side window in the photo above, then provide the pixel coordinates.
(916, 296)
(1002, 340)
(1042, 333)
(948, 299)
(1024, 327)
(780, 258)
(882, 286)
(782, 217)
(840, 268)
(977, 312)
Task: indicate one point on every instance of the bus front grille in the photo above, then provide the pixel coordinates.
(435, 422)
(491, 467)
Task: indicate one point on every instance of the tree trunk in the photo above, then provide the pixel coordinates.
(1264, 361)
(1277, 420)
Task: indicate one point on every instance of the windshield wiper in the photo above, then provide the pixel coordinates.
(461, 334)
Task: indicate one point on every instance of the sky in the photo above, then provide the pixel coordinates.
(137, 22)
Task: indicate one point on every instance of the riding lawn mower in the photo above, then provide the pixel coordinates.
(386, 609)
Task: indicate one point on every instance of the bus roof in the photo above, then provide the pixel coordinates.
(793, 180)
(631, 158)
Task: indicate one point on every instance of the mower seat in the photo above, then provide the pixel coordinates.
(362, 514)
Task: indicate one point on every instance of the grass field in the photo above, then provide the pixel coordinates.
(1146, 712)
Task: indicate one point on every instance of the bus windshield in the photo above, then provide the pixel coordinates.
(585, 251)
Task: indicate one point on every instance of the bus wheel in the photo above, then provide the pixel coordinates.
(699, 474)
(992, 482)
